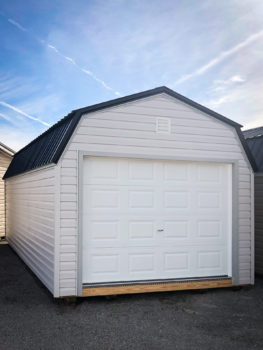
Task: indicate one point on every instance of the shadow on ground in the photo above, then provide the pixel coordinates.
(216, 319)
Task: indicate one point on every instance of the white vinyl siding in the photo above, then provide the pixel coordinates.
(259, 223)
(131, 129)
(4, 163)
(30, 213)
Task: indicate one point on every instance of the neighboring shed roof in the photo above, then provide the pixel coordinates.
(7, 150)
(48, 147)
(253, 132)
(256, 146)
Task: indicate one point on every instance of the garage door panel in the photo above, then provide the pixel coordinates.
(209, 173)
(103, 230)
(101, 169)
(141, 230)
(141, 170)
(176, 263)
(142, 263)
(141, 199)
(211, 261)
(147, 219)
(115, 265)
(210, 229)
(177, 172)
(101, 198)
(102, 266)
(176, 199)
(209, 200)
(176, 229)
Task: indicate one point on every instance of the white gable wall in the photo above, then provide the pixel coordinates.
(130, 129)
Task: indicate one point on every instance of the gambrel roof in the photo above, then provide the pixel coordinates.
(49, 146)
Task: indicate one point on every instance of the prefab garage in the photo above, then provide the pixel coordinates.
(147, 192)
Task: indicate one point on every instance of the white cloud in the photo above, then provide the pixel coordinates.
(86, 71)
(51, 46)
(237, 79)
(70, 59)
(7, 105)
(214, 103)
(232, 80)
(222, 56)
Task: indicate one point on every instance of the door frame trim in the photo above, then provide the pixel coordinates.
(233, 162)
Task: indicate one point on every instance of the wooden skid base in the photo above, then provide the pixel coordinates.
(158, 287)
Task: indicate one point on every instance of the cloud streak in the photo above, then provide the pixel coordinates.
(5, 117)
(69, 59)
(221, 57)
(10, 20)
(7, 105)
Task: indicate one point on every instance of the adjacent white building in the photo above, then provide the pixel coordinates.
(147, 192)
(6, 155)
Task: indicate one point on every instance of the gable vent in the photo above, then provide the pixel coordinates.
(163, 126)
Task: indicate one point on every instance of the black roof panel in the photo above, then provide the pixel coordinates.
(253, 132)
(256, 146)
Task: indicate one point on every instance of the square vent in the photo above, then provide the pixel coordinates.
(163, 125)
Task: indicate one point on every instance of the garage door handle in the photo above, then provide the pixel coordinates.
(160, 230)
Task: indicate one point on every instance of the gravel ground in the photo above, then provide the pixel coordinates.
(216, 319)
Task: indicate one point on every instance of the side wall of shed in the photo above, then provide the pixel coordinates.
(259, 223)
(131, 129)
(4, 162)
(30, 220)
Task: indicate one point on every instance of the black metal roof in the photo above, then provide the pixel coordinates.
(256, 146)
(253, 132)
(48, 147)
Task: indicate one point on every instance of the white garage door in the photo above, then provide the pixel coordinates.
(151, 220)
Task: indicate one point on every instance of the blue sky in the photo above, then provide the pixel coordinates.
(59, 55)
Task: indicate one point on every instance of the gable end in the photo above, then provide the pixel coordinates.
(49, 146)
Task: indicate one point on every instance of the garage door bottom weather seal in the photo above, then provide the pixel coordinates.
(162, 281)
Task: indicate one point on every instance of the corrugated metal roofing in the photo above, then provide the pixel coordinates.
(253, 132)
(256, 146)
(48, 147)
